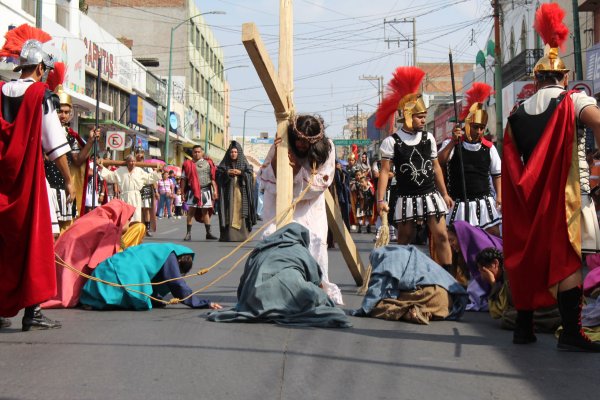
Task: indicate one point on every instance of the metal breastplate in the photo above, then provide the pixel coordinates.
(476, 167)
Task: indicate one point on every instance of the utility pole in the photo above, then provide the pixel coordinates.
(402, 37)
(498, 75)
(379, 80)
(577, 42)
(357, 126)
(38, 14)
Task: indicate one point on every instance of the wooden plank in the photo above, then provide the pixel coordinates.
(285, 177)
(110, 163)
(342, 237)
(264, 67)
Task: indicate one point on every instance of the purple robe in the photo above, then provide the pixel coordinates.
(472, 240)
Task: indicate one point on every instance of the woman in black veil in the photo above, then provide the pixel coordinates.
(236, 203)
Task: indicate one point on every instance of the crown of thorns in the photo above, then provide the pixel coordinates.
(301, 135)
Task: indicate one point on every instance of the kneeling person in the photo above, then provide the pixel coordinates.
(152, 262)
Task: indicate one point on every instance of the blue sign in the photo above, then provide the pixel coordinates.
(173, 122)
(262, 141)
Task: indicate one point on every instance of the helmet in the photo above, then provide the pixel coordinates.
(551, 62)
(64, 97)
(410, 105)
(34, 54)
(477, 115)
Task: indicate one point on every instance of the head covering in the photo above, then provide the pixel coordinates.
(402, 95)
(473, 112)
(55, 81)
(241, 163)
(27, 43)
(549, 25)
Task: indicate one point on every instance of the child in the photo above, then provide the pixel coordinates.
(178, 203)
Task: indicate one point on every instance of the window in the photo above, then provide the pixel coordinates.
(523, 36)
(511, 48)
(28, 6)
(62, 14)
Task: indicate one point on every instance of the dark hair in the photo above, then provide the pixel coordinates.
(185, 263)
(549, 77)
(196, 146)
(310, 126)
(489, 254)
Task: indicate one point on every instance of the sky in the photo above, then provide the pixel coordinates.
(335, 43)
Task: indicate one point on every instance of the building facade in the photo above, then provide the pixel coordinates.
(197, 60)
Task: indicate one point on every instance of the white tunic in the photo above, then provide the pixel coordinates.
(310, 211)
(54, 141)
(130, 184)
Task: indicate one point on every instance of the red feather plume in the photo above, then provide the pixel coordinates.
(406, 80)
(478, 93)
(56, 76)
(16, 38)
(549, 24)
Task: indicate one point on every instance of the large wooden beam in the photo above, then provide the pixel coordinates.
(285, 177)
(264, 67)
(342, 237)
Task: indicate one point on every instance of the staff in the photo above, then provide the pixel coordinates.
(95, 147)
(459, 147)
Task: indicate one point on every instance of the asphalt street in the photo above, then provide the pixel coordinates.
(175, 353)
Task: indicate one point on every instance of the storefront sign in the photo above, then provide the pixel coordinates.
(350, 142)
(142, 113)
(115, 140)
(593, 65)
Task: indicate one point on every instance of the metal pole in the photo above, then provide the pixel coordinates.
(95, 144)
(577, 41)
(244, 130)
(414, 42)
(459, 145)
(207, 114)
(38, 14)
(498, 76)
(169, 84)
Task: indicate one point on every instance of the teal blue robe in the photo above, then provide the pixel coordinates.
(137, 264)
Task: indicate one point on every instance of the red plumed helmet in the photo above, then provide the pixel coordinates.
(56, 76)
(549, 25)
(478, 93)
(16, 38)
(405, 81)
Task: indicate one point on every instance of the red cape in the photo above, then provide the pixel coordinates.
(26, 241)
(90, 240)
(539, 252)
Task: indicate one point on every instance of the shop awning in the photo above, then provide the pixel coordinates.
(108, 124)
(86, 102)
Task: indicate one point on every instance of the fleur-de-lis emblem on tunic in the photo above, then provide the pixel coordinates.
(419, 167)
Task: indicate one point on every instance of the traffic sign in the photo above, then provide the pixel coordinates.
(115, 140)
(350, 142)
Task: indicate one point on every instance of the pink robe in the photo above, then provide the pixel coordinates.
(90, 240)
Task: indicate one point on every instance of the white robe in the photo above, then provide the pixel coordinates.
(310, 212)
(130, 184)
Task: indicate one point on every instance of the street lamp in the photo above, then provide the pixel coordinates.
(170, 78)
(208, 104)
(244, 128)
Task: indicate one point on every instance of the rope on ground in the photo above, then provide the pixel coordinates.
(202, 271)
(382, 240)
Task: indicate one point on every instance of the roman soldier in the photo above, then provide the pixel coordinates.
(422, 195)
(544, 206)
(480, 160)
(29, 130)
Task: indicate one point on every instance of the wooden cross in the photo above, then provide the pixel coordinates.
(279, 88)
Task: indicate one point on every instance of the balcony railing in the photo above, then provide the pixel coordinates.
(520, 67)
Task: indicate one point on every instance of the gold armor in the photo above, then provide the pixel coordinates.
(64, 97)
(551, 62)
(477, 115)
(409, 105)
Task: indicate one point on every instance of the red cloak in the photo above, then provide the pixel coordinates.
(541, 242)
(191, 176)
(26, 241)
